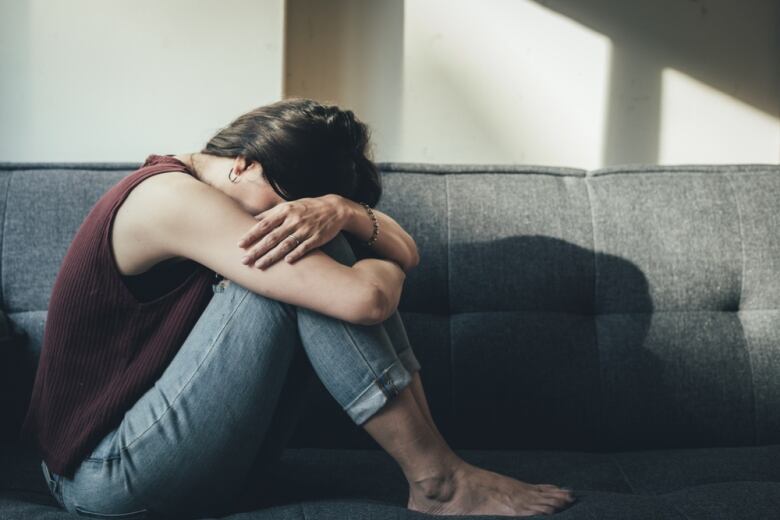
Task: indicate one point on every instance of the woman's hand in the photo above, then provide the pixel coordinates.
(314, 220)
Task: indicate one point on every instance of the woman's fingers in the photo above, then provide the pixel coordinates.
(258, 231)
(306, 245)
(285, 247)
(262, 239)
(268, 242)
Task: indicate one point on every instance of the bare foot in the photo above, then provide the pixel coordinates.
(469, 490)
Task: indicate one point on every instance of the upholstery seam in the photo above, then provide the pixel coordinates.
(739, 306)
(2, 238)
(741, 240)
(124, 449)
(588, 188)
(623, 473)
(449, 297)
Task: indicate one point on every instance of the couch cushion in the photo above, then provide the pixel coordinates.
(623, 308)
(17, 369)
(711, 483)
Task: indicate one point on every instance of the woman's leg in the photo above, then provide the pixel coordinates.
(397, 333)
(185, 445)
(440, 482)
(188, 443)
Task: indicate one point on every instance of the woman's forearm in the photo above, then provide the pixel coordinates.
(393, 242)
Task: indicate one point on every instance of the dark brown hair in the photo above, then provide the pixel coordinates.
(306, 149)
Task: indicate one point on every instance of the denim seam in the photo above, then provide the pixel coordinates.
(110, 457)
(211, 348)
(354, 344)
(104, 459)
(82, 511)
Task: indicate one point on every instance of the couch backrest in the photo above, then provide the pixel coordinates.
(622, 308)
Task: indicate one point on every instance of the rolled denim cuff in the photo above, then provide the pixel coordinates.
(388, 385)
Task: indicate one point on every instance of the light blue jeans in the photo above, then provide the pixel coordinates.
(226, 403)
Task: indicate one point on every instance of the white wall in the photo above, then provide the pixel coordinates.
(350, 53)
(553, 82)
(97, 80)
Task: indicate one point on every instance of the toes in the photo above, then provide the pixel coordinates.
(566, 495)
(557, 502)
(555, 491)
(543, 509)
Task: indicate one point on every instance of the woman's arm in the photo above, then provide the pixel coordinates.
(188, 218)
(393, 242)
(388, 277)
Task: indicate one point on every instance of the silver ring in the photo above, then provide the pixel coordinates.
(296, 239)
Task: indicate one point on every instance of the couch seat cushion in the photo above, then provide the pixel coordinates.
(312, 484)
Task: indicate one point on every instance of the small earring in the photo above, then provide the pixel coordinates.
(231, 178)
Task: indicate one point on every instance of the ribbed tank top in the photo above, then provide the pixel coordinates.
(107, 337)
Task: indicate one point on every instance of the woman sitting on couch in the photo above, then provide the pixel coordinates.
(156, 384)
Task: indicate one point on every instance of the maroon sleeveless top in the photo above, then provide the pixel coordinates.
(107, 337)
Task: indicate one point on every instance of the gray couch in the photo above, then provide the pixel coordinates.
(615, 331)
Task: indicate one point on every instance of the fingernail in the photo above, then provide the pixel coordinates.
(245, 259)
(289, 259)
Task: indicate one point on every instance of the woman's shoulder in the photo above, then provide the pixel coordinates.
(157, 189)
(135, 223)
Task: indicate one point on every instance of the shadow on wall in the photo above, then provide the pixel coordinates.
(713, 41)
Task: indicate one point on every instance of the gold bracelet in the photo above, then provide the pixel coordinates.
(375, 232)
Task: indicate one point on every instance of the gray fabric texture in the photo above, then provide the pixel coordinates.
(616, 331)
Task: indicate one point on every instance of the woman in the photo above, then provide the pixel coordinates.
(161, 391)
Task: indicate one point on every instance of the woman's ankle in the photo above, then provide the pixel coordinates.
(437, 478)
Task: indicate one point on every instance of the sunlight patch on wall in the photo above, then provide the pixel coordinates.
(700, 124)
(504, 81)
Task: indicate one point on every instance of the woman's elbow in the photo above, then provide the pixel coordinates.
(373, 309)
(415, 260)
